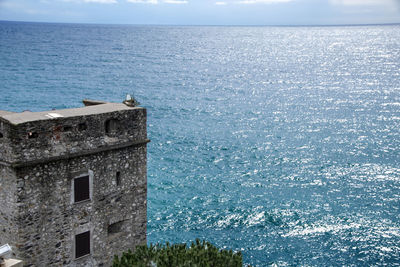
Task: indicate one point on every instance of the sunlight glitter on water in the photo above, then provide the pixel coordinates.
(280, 142)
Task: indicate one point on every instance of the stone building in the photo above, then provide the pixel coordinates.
(73, 183)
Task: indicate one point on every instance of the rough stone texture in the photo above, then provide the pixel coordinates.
(8, 205)
(39, 160)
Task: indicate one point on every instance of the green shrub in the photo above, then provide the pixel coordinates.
(198, 254)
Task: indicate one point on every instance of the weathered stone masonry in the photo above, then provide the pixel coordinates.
(73, 184)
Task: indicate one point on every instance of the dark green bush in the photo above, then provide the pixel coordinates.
(198, 254)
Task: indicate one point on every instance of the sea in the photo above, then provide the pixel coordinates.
(282, 143)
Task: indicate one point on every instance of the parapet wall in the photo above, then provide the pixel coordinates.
(35, 137)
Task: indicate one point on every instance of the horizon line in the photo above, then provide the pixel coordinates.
(208, 25)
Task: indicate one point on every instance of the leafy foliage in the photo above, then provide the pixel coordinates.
(200, 253)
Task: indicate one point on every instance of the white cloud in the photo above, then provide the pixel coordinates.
(101, 1)
(362, 2)
(86, 1)
(143, 1)
(175, 1)
(264, 1)
(154, 2)
(221, 3)
(22, 8)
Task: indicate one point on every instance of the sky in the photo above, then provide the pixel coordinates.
(204, 12)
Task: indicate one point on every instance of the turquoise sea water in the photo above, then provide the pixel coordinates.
(280, 142)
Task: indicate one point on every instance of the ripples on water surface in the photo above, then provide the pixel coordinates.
(281, 142)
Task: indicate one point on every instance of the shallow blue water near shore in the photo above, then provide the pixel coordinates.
(280, 142)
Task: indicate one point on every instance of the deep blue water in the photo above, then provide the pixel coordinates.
(280, 142)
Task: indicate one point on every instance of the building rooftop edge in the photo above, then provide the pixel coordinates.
(5, 112)
(99, 108)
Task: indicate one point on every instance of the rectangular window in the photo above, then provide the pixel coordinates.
(118, 178)
(82, 244)
(32, 135)
(67, 128)
(82, 126)
(81, 188)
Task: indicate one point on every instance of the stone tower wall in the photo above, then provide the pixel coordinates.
(39, 162)
(50, 220)
(5, 143)
(8, 205)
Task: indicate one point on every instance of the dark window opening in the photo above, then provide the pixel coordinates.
(82, 126)
(115, 228)
(82, 244)
(67, 128)
(81, 188)
(111, 126)
(1, 135)
(32, 135)
(118, 178)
